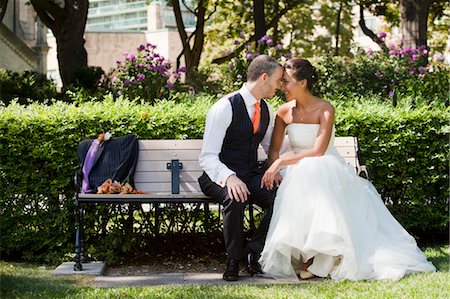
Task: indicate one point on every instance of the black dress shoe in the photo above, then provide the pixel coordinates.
(232, 272)
(253, 267)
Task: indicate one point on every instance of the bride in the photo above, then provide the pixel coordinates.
(327, 221)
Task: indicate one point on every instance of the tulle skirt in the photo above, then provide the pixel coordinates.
(324, 210)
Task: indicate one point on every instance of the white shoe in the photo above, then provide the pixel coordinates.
(306, 274)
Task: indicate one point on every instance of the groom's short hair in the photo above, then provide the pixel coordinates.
(260, 65)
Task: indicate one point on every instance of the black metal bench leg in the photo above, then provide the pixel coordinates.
(251, 218)
(78, 248)
(84, 258)
(156, 219)
(207, 222)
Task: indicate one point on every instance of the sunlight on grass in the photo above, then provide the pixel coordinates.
(31, 281)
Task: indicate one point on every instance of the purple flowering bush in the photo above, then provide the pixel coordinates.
(146, 75)
(398, 73)
(235, 73)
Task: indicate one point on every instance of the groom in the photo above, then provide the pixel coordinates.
(235, 126)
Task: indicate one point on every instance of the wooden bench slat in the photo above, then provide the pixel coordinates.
(165, 176)
(168, 154)
(168, 144)
(167, 187)
(160, 165)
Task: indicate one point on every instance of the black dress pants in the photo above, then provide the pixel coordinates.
(233, 214)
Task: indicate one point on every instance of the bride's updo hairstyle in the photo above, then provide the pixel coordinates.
(302, 69)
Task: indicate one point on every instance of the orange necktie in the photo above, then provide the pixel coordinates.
(256, 117)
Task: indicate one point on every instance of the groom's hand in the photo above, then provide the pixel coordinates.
(237, 189)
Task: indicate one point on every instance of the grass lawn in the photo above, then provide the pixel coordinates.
(31, 281)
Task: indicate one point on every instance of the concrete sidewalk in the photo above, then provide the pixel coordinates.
(185, 279)
(97, 269)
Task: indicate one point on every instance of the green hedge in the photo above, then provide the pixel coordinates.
(405, 149)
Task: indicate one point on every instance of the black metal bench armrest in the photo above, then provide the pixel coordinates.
(77, 179)
(363, 171)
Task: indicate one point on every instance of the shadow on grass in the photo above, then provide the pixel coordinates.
(440, 258)
(19, 286)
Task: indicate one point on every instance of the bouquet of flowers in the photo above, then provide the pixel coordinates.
(115, 187)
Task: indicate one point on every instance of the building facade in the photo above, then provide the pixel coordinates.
(23, 44)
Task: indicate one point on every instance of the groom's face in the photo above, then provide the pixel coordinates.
(273, 83)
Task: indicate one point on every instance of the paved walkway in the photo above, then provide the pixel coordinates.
(97, 269)
(185, 278)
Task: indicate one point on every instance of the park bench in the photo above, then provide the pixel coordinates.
(167, 171)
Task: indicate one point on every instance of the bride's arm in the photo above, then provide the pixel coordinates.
(276, 144)
(277, 139)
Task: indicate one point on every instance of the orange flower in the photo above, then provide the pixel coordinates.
(115, 187)
(104, 188)
(126, 188)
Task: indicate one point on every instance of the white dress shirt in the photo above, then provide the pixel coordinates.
(218, 120)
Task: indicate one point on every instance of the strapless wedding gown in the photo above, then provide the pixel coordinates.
(324, 210)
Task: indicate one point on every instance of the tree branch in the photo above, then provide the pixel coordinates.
(49, 12)
(369, 32)
(188, 8)
(179, 20)
(209, 16)
(229, 56)
(252, 38)
(281, 13)
(3, 6)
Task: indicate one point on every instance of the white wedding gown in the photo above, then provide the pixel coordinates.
(324, 210)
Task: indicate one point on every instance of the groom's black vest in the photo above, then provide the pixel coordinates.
(240, 146)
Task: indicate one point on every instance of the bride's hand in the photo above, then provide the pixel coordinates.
(271, 175)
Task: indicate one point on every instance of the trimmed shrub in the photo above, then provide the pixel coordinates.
(392, 75)
(406, 150)
(25, 87)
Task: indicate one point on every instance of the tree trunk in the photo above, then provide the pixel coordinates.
(191, 54)
(67, 24)
(259, 18)
(276, 35)
(3, 6)
(199, 39)
(271, 24)
(368, 32)
(338, 27)
(413, 22)
(72, 56)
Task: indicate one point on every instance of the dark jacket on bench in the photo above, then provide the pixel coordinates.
(115, 159)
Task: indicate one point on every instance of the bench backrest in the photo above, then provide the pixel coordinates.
(152, 173)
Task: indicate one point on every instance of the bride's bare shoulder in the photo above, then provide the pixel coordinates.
(285, 108)
(326, 106)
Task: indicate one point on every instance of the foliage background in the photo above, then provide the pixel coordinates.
(406, 150)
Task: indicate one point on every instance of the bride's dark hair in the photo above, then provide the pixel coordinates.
(302, 69)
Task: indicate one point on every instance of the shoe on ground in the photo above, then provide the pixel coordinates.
(306, 274)
(232, 272)
(253, 267)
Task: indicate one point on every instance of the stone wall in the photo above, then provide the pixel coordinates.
(15, 54)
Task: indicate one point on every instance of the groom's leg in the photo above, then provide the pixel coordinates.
(233, 215)
(263, 198)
